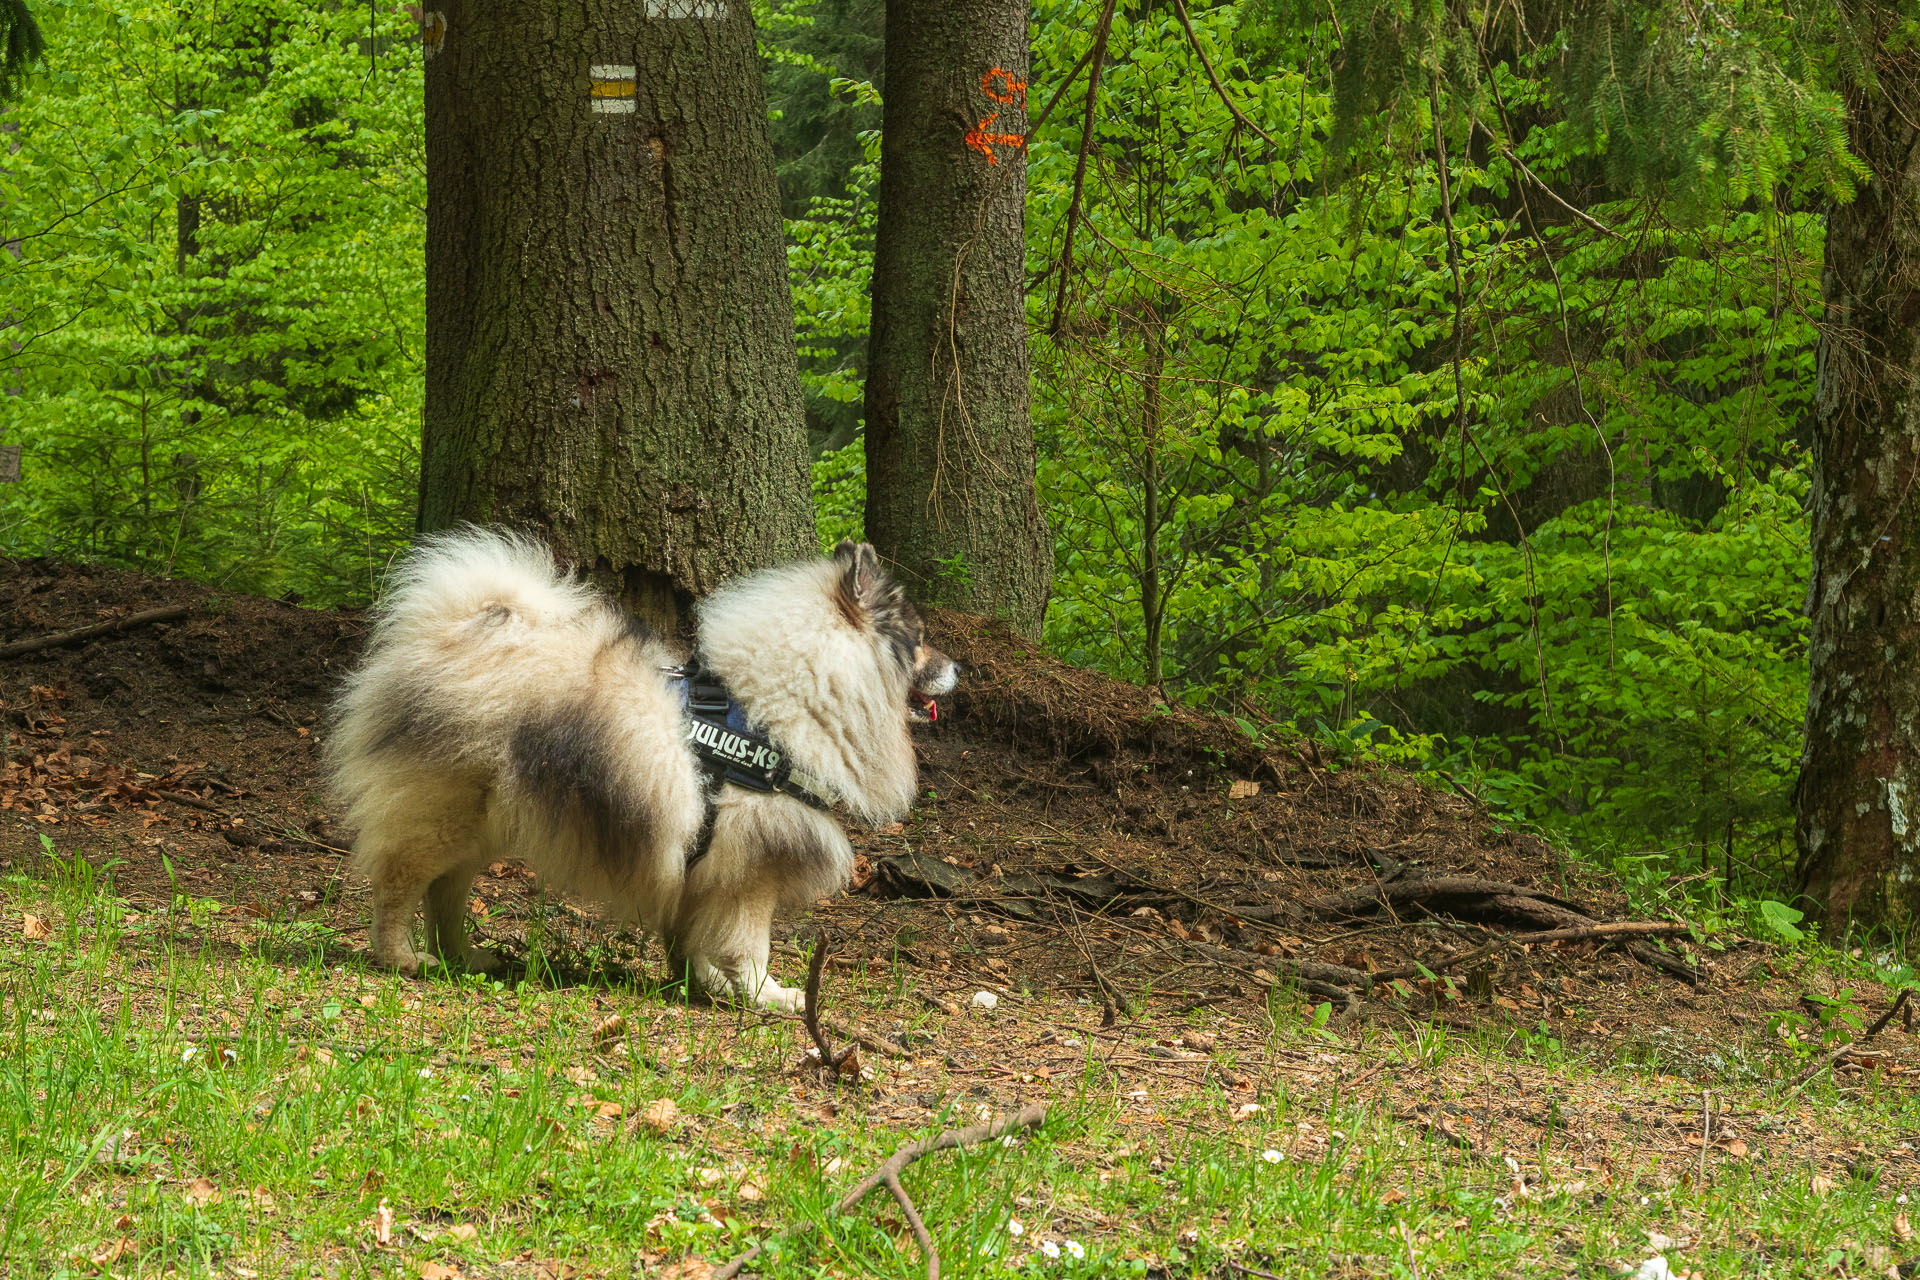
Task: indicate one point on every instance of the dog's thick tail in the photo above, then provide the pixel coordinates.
(473, 574)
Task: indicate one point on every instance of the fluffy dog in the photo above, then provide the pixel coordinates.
(505, 711)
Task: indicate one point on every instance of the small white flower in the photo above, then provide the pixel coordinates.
(426, 1073)
(188, 1052)
(1271, 1156)
(1901, 1198)
(1075, 1248)
(1049, 1248)
(1014, 1228)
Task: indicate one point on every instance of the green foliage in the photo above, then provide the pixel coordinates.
(1442, 396)
(222, 298)
(21, 43)
(1566, 568)
(1710, 104)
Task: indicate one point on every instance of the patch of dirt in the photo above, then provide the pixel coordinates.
(1076, 837)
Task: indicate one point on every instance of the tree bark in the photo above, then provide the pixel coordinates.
(950, 454)
(1858, 796)
(610, 351)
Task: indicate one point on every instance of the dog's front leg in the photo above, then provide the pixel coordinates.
(726, 946)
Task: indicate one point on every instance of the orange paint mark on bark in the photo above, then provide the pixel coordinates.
(984, 142)
(1000, 85)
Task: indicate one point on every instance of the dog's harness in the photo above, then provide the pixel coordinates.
(731, 751)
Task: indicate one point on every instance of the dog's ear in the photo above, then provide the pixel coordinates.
(863, 589)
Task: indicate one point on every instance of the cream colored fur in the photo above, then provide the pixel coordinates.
(480, 637)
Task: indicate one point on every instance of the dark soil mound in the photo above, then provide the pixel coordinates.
(1076, 833)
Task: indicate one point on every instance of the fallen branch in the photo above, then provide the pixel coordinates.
(1580, 933)
(1314, 977)
(192, 802)
(888, 1176)
(172, 613)
(873, 1041)
(810, 1011)
(1470, 891)
(1847, 1050)
(1899, 1003)
(1492, 902)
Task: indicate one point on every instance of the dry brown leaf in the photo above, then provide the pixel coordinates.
(1902, 1229)
(609, 1110)
(1242, 789)
(33, 927)
(751, 1192)
(1201, 1040)
(1821, 1184)
(463, 1232)
(1736, 1148)
(202, 1191)
(661, 1115)
(688, 1268)
(111, 1252)
(439, 1271)
(608, 1030)
(383, 1224)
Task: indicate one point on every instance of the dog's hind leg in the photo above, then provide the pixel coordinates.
(415, 851)
(447, 938)
(397, 890)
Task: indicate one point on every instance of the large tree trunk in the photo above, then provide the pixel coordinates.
(950, 464)
(1859, 789)
(610, 353)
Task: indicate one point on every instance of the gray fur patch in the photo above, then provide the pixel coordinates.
(565, 764)
(409, 720)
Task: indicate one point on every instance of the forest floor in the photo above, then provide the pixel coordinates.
(1288, 1017)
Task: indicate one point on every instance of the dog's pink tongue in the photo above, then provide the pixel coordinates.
(933, 708)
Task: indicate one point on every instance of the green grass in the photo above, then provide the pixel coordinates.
(187, 1091)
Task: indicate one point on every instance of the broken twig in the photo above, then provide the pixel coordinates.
(888, 1176)
(810, 1011)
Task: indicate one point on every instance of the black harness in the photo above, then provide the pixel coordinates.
(731, 751)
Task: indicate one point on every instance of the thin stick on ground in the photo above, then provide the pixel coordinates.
(172, 613)
(1706, 1135)
(888, 1176)
(810, 1012)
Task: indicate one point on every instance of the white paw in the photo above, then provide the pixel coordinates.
(780, 999)
(404, 961)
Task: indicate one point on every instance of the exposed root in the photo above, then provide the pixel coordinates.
(1497, 902)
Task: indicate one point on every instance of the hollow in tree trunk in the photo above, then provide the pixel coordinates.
(1858, 796)
(950, 455)
(610, 352)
